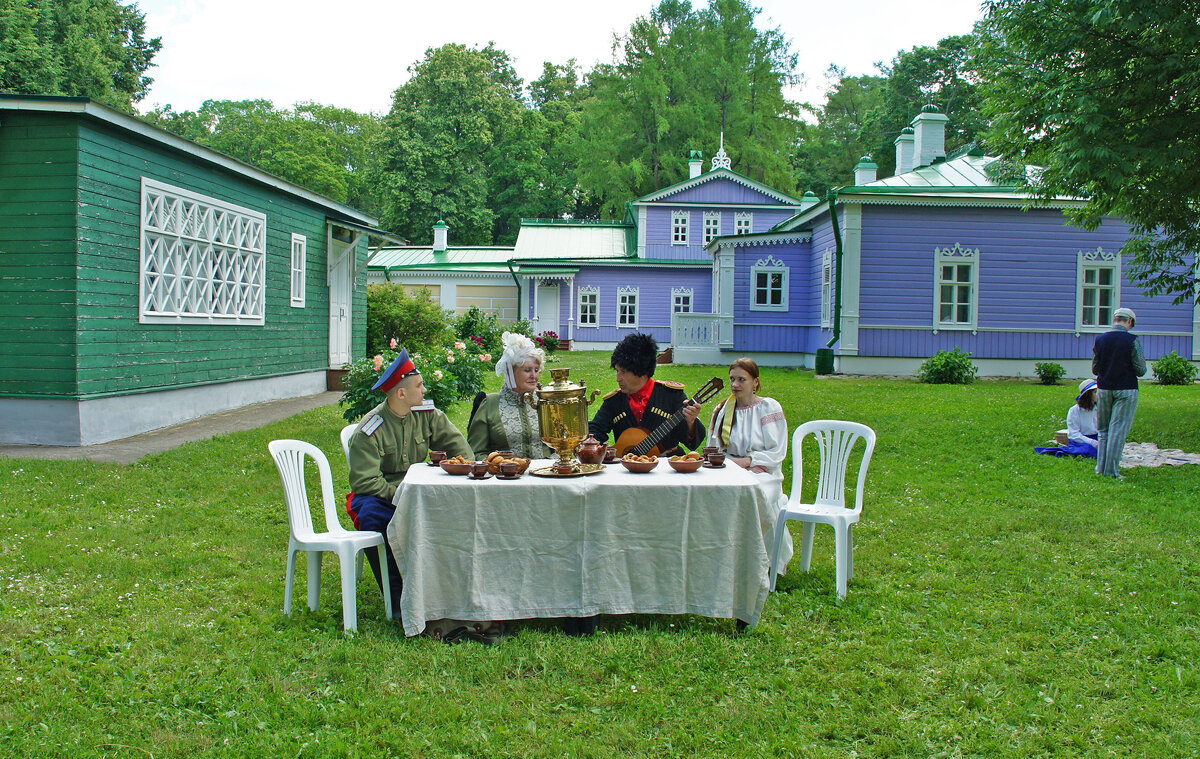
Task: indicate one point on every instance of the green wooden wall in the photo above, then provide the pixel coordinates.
(37, 254)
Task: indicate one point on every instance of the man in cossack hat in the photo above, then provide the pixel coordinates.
(395, 435)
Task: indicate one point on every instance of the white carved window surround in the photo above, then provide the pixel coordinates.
(589, 306)
(679, 227)
(202, 261)
(712, 226)
(1097, 289)
(827, 275)
(627, 307)
(682, 299)
(769, 285)
(743, 223)
(956, 288)
(299, 258)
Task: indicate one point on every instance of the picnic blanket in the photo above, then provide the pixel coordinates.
(1134, 454)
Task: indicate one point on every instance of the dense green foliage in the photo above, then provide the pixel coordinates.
(1174, 369)
(413, 320)
(1049, 372)
(1004, 605)
(317, 146)
(451, 372)
(949, 368)
(1104, 95)
(473, 325)
(86, 48)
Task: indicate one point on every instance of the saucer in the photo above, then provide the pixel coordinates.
(484, 477)
(433, 463)
(507, 476)
(710, 466)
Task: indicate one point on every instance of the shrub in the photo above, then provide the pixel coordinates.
(547, 340)
(1049, 372)
(414, 321)
(949, 368)
(476, 324)
(451, 374)
(521, 327)
(1174, 369)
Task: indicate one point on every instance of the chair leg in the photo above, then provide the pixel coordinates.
(359, 569)
(289, 581)
(842, 536)
(386, 576)
(849, 552)
(780, 526)
(314, 579)
(349, 590)
(806, 544)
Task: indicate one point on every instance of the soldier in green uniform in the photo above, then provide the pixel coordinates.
(397, 434)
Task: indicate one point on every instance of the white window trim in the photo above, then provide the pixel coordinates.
(676, 218)
(689, 293)
(185, 238)
(624, 291)
(1096, 259)
(956, 256)
(594, 294)
(710, 216)
(299, 269)
(769, 265)
(746, 218)
(827, 276)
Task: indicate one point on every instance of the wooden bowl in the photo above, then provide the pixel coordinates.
(450, 468)
(639, 467)
(686, 466)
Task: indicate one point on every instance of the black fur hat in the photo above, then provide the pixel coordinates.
(636, 353)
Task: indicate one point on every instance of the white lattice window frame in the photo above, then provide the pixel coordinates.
(712, 226)
(761, 288)
(956, 258)
(683, 300)
(1098, 262)
(827, 281)
(743, 223)
(299, 269)
(589, 306)
(680, 221)
(202, 260)
(627, 307)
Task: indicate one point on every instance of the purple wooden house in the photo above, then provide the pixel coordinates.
(937, 257)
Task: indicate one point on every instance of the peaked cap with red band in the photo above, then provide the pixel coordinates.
(400, 368)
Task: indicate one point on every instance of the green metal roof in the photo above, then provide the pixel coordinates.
(709, 176)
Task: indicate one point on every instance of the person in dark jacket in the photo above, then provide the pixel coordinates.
(1117, 363)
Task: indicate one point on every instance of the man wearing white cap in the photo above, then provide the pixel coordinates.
(1117, 363)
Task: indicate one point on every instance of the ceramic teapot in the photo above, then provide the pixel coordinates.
(591, 451)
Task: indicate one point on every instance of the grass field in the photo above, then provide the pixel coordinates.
(1004, 605)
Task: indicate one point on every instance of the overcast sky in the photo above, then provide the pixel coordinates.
(354, 53)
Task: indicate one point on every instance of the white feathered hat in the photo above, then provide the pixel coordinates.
(518, 350)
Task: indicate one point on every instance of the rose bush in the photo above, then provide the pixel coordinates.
(451, 374)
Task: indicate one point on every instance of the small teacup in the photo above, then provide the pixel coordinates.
(610, 455)
(708, 449)
(509, 468)
(716, 458)
(437, 457)
(479, 469)
(566, 468)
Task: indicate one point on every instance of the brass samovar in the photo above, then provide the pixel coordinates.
(562, 410)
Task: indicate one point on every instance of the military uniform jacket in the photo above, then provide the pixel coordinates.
(615, 416)
(385, 445)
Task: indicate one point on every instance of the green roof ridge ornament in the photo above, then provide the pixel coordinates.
(721, 160)
(440, 224)
(694, 155)
(866, 162)
(929, 108)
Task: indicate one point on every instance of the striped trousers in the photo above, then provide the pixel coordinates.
(1115, 410)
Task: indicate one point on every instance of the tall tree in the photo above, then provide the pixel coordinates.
(827, 151)
(88, 48)
(1105, 96)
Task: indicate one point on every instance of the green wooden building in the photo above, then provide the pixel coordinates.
(146, 280)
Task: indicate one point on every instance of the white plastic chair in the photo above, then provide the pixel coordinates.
(347, 433)
(289, 456)
(835, 442)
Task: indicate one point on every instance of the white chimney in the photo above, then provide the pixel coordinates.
(695, 164)
(904, 151)
(809, 200)
(865, 171)
(929, 141)
(440, 230)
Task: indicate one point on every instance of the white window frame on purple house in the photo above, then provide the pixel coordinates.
(1092, 267)
(682, 300)
(627, 307)
(767, 267)
(743, 223)
(680, 221)
(712, 226)
(950, 266)
(827, 289)
(589, 300)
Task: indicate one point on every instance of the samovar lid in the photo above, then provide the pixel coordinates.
(561, 386)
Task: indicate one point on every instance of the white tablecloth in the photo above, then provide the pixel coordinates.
(609, 543)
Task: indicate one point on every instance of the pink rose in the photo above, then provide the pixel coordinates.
(486, 357)
(458, 346)
(437, 375)
(392, 344)
(378, 363)
(449, 360)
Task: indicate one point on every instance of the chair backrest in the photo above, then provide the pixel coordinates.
(835, 442)
(347, 433)
(289, 458)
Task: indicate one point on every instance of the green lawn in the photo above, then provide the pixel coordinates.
(1004, 604)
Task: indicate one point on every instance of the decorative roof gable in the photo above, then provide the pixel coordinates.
(691, 190)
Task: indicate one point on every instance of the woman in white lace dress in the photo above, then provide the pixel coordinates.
(753, 433)
(500, 421)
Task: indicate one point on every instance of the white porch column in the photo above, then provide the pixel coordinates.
(533, 301)
(851, 274)
(571, 308)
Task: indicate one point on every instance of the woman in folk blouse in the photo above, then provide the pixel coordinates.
(753, 433)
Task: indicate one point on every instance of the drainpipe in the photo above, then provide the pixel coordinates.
(516, 282)
(824, 361)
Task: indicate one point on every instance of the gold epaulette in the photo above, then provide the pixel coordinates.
(614, 392)
(672, 385)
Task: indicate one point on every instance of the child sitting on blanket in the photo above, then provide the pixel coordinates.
(1082, 429)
